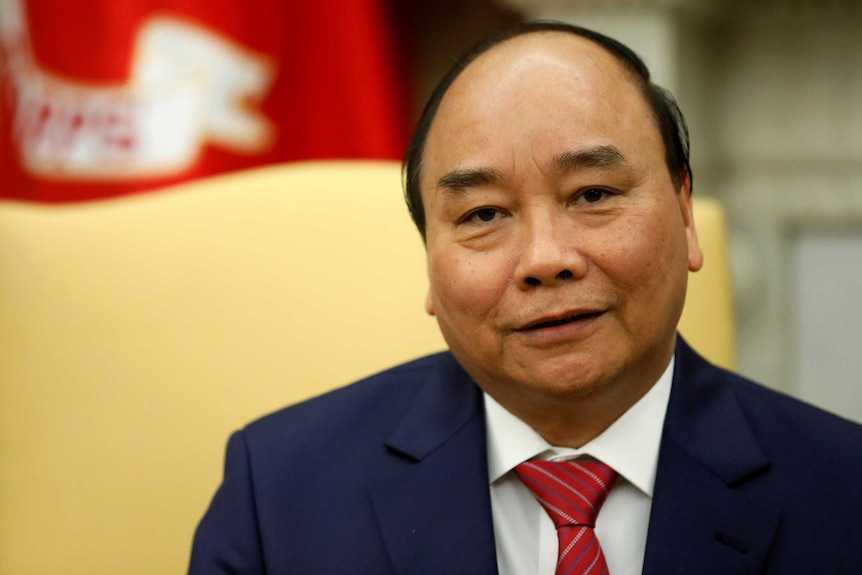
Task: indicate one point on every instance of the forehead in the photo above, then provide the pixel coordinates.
(540, 91)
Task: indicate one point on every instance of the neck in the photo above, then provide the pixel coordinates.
(573, 421)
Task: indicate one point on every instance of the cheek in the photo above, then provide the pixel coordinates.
(466, 284)
(658, 271)
(647, 259)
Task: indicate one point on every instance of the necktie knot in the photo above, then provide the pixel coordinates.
(572, 492)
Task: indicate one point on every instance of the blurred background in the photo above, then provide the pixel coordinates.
(106, 99)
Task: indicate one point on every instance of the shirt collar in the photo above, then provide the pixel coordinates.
(630, 445)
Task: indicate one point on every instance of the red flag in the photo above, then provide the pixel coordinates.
(103, 98)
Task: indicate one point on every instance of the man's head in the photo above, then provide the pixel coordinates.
(670, 120)
(558, 239)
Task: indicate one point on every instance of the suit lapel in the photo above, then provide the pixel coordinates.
(434, 512)
(702, 521)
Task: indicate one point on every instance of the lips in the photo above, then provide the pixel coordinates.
(545, 323)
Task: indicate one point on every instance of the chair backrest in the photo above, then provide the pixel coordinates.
(135, 334)
(708, 318)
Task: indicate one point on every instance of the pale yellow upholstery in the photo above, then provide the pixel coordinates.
(135, 334)
(708, 321)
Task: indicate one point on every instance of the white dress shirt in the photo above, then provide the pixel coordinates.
(525, 536)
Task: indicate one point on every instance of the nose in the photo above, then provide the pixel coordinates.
(549, 254)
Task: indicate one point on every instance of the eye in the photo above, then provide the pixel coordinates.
(593, 195)
(483, 215)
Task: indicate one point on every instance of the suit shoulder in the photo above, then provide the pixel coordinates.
(794, 422)
(789, 407)
(765, 408)
(378, 397)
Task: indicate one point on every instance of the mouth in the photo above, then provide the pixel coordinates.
(542, 324)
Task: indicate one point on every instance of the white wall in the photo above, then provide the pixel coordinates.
(777, 127)
(827, 323)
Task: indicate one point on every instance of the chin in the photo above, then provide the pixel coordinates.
(566, 379)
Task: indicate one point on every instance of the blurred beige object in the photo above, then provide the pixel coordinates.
(136, 334)
(708, 319)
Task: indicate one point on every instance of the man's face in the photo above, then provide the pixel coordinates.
(558, 247)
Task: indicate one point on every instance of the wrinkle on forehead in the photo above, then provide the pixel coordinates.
(542, 74)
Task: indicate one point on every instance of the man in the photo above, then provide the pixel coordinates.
(550, 181)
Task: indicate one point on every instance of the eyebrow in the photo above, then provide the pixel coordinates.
(463, 180)
(606, 156)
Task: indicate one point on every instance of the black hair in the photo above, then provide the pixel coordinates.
(668, 116)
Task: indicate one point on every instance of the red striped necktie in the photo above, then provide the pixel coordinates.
(572, 492)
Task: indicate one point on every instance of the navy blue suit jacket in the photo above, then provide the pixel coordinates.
(389, 475)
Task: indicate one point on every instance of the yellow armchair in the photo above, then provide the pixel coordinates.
(707, 321)
(135, 334)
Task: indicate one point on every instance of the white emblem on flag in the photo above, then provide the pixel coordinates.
(188, 86)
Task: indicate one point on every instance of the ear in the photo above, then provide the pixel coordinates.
(695, 256)
(429, 303)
